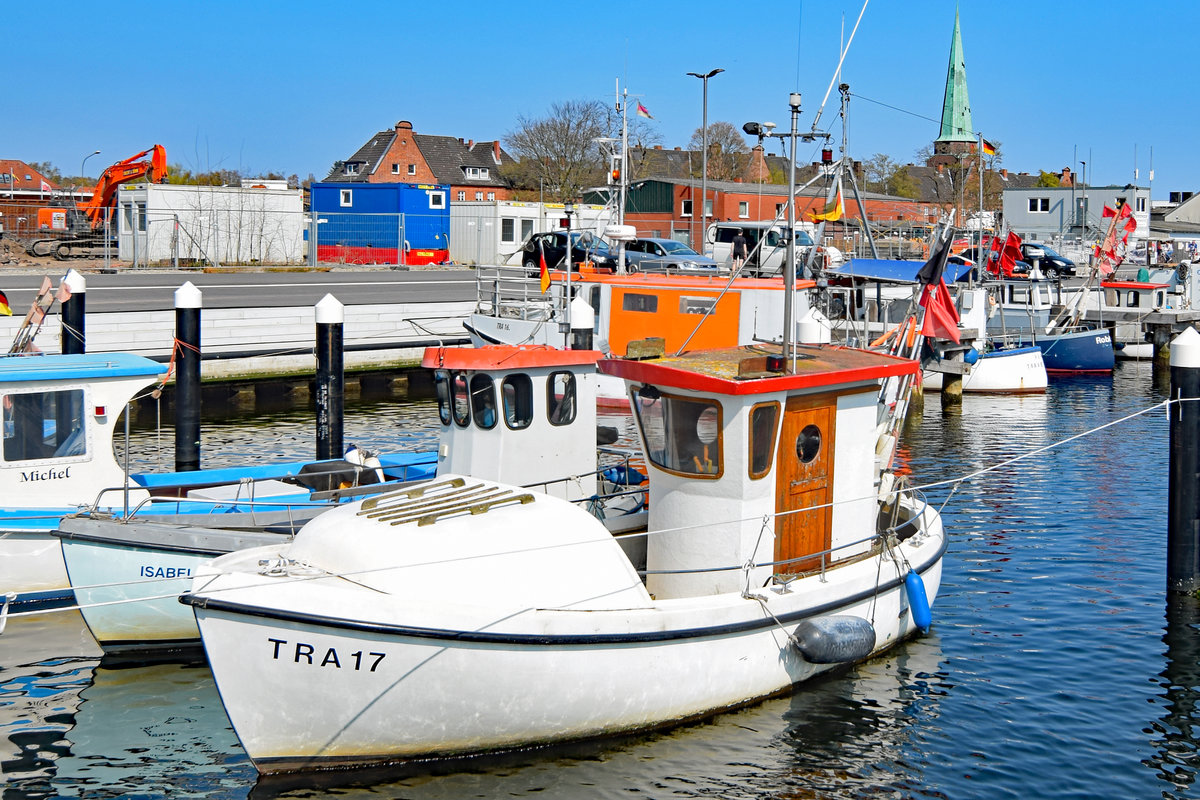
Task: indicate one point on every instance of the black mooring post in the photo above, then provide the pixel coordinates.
(1183, 481)
(331, 382)
(187, 378)
(73, 340)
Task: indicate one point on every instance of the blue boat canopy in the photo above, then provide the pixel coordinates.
(86, 366)
(891, 270)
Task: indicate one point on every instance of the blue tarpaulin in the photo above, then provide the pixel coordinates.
(891, 270)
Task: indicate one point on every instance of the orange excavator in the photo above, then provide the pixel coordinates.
(85, 221)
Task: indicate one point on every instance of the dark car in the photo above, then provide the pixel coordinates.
(665, 255)
(1020, 268)
(585, 246)
(1050, 262)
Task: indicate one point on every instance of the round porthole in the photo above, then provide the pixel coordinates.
(808, 444)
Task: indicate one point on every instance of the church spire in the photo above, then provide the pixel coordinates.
(957, 135)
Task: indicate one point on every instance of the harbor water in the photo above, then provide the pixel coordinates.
(1057, 666)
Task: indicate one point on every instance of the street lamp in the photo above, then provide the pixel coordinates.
(83, 163)
(704, 156)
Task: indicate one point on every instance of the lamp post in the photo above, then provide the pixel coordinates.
(82, 164)
(704, 157)
(568, 209)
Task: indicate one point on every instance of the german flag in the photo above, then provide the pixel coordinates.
(5, 308)
(989, 149)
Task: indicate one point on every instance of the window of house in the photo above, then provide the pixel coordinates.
(412, 169)
(560, 398)
(346, 198)
(685, 209)
(395, 169)
(44, 425)
(462, 196)
(1141, 204)
(352, 168)
(778, 208)
(491, 195)
(437, 199)
(479, 195)
(141, 226)
(517, 391)
(1039, 205)
(708, 207)
(526, 229)
(483, 172)
(744, 209)
(508, 229)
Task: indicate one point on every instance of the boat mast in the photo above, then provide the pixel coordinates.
(789, 276)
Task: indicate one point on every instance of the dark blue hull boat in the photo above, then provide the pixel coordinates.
(1088, 350)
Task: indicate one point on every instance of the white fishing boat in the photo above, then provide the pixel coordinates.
(128, 573)
(466, 615)
(60, 413)
(993, 366)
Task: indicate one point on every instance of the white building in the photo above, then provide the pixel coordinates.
(489, 232)
(1061, 213)
(260, 222)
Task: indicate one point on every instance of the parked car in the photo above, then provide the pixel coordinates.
(585, 246)
(665, 255)
(1052, 264)
(1020, 269)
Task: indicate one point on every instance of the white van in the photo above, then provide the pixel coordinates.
(770, 258)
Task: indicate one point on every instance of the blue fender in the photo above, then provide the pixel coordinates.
(918, 601)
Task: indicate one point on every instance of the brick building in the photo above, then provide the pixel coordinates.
(471, 169)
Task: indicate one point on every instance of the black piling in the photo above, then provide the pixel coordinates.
(187, 378)
(331, 380)
(1183, 481)
(73, 340)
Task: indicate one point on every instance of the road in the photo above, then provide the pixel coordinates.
(154, 290)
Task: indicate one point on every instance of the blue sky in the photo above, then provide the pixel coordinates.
(293, 86)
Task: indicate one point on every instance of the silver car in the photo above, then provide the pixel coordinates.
(665, 255)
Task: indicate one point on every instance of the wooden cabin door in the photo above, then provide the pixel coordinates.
(804, 480)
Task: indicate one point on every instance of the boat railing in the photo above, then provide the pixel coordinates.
(507, 291)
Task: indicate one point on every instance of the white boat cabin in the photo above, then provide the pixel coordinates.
(521, 414)
(731, 440)
(59, 414)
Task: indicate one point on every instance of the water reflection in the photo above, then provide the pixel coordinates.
(1174, 736)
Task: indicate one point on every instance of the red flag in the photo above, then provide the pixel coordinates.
(545, 273)
(941, 317)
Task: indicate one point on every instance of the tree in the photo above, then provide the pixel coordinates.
(559, 153)
(903, 184)
(48, 171)
(877, 171)
(1047, 179)
(725, 146)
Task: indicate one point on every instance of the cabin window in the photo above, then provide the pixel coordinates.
(437, 199)
(42, 425)
(1112, 298)
(526, 229)
(594, 302)
(808, 444)
(681, 434)
(346, 198)
(1160, 299)
(508, 229)
(483, 401)
(461, 405)
(441, 380)
(763, 428)
(560, 398)
(1134, 299)
(517, 391)
(696, 305)
(639, 302)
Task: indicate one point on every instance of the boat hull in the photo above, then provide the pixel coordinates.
(1077, 351)
(128, 576)
(347, 691)
(1014, 371)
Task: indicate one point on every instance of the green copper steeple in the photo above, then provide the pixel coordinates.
(956, 108)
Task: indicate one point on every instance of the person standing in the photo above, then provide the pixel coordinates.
(739, 250)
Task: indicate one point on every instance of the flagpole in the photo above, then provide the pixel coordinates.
(981, 173)
(624, 158)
